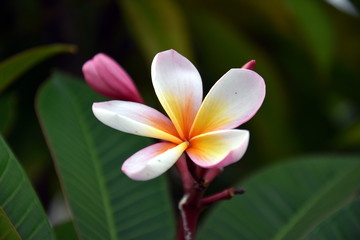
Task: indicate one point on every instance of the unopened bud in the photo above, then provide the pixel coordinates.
(108, 78)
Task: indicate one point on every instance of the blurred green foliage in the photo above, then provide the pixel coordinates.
(307, 51)
(13, 67)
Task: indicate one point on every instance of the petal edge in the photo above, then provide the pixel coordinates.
(135, 118)
(218, 149)
(233, 100)
(178, 86)
(153, 160)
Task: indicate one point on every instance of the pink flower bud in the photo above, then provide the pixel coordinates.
(250, 65)
(108, 78)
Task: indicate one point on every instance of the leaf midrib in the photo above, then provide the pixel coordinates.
(298, 219)
(94, 156)
(11, 225)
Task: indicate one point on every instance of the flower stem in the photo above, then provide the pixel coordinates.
(188, 219)
(185, 174)
(189, 205)
(195, 182)
(211, 174)
(226, 194)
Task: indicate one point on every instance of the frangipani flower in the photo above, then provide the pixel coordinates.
(108, 78)
(202, 130)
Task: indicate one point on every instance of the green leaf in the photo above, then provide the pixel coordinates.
(7, 230)
(345, 224)
(88, 155)
(65, 231)
(286, 201)
(20, 209)
(13, 67)
(157, 25)
(316, 28)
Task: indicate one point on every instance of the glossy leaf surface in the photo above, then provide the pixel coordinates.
(21, 213)
(286, 201)
(88, 155)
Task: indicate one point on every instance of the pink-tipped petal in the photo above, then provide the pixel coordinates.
(233, 156)
(152, 161)
(233, 100)
(107, 77)
(250, 65)
(136, 118)
(218, 149)
(178, 86)
(95, 81)
(117, 78)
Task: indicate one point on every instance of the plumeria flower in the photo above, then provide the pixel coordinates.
(201, 129)
(108, 78)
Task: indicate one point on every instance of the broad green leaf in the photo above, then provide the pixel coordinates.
(20, 208)
(88, 155)
(13, 67)
(157, 25)
(65, 231)
(344, 224)
(286, 201)
(7, 230)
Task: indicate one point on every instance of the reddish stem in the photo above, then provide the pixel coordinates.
(211, 174)
(195, 182)
(190, 209)
(201, 173)
(189, 206)
(185, 175)
(226, 194)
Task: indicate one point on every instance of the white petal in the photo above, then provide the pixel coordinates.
(178, 86)
(218, 149)
(233, 100)
(153, 161)
(135, 118)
